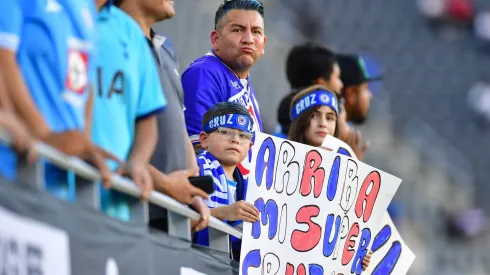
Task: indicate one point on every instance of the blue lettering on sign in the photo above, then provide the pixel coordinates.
(343, 151)
(269, 213)
(262, 164)
(252, 259)
(329, 246)
(333, 179)
(315, 269)
(389, 261)
(361, 251)
(383, 235)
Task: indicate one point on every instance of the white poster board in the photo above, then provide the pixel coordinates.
(391, 254)
(318, 210)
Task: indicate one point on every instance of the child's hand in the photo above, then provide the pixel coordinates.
(242, 210)
(366, 261)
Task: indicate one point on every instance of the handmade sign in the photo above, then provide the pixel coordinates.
(391, 254)
(319, 210)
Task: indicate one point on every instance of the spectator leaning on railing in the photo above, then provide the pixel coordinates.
(127, 99)
(172, 166)
(47, 68)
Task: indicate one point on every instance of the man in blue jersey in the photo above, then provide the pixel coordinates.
(127, 99)
(221, 75)
(47, 67)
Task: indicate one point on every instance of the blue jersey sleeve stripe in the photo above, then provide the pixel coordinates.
(151, 113)
(219, 200)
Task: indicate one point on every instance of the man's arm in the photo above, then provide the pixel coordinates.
(19, 94)
(88, 112)
(11, 26)
(191, 154)
(177, 185)
(145, 140)
(151, 102)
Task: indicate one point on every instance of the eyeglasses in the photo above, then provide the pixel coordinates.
(230, 133)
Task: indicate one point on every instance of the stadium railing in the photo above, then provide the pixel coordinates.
(88, 193)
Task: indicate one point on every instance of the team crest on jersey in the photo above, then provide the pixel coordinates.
(77, 74)
(235, 84)
(241, 120)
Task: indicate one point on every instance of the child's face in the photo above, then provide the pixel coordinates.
(322, 123)
(229, 146)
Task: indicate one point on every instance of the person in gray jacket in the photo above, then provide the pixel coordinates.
(174, 160)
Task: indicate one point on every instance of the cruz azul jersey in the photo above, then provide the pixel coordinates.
(208, 81)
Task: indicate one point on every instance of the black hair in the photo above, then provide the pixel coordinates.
(307, 62)
(224, 108)
(237, 5)
(117, 3)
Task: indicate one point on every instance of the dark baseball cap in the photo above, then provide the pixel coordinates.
(353, 70)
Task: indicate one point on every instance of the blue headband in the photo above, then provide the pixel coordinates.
(315, 98)
(235, 121)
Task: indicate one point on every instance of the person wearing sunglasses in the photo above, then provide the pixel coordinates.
(238, 41)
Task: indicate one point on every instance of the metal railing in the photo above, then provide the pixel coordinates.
(88, 193)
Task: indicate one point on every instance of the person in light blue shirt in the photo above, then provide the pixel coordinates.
(47, 68)
(128, 96)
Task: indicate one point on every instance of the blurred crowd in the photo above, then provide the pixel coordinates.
(465, 14)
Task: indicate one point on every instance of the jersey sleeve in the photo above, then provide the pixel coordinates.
(151, 100)
(11, 23)
(202, 90)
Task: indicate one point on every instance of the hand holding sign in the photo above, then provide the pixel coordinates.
(240, 210)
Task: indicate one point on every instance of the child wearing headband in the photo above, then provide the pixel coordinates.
(315, 114)
(226, 139)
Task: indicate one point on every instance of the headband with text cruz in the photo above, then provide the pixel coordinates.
(319, 97)
(235, 121)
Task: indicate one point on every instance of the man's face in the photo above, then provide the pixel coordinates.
(239, 39)
(159, 9)
(343, 127)
(334, 83)
(358, 102)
